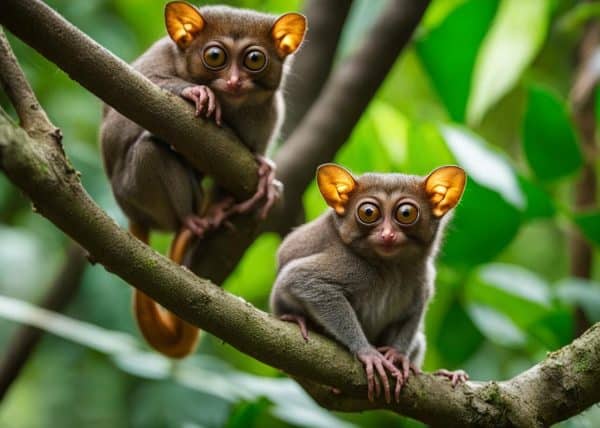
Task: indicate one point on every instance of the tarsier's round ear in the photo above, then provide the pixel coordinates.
(288, 33)
(183, 22)
(444, 187)
(336, 185)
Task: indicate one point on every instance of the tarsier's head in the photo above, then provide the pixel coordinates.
(238, 53)
(390, 216)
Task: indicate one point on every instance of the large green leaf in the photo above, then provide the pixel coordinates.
(582, 293)
(483, 225)
(512, 290)
(539, 203)
(549, 140)
(589, 224)
(514, 39)
(496, 326)
(459, 338)
(484, 164)
(449, 52)
(427, 150)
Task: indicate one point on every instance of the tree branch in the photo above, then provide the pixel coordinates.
(221, 154)
(562, 385)
(15, 85)
(312, 64)
(60, 293)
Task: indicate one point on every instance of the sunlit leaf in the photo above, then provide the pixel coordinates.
(449, 52)
(483, 225)
(484, 163)
(517, 281)
(85, 334)
(427, 150)
(392, 130)
(514, 39)
(549, 140)
(496, 327)
(582, 293)
(589, 223)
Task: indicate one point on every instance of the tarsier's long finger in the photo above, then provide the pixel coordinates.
(272, 194)
(201, 102)
(370, 380)
(398, 389)
(405, 362)
(384, 380)
(211, 103)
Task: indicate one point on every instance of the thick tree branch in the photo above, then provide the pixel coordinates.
(582, 101)
(564, 384)
(61, 292)
(311, 66)
(16, 86)
(222, 155)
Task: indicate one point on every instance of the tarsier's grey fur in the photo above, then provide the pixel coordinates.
(329, 274)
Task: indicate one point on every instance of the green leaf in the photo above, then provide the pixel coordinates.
(459, 338)
(512, 290)
(578, 16)
(549, 141)
(497, 327)
(516, 35)
(589, 224)
(483, 225)
(484, 164)
(427, 150)
(582, 293)
(449, 52)
(539, 203)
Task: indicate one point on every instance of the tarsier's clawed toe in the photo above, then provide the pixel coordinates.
(205, 101)
(300, 320)
(377, 368)
(456, 376)
(400, 360)
(269, 189)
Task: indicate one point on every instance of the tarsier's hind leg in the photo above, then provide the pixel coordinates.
(164, 331)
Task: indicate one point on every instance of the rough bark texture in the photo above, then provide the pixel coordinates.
(563, 384)
(112, 80)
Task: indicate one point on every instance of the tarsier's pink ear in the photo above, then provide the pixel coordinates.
(336, 185)
(288, 33)
(183, 22)
(444, 187)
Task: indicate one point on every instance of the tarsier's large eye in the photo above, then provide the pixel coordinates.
(255, 60)
(214, 57)
(407, 213)
(368, 212)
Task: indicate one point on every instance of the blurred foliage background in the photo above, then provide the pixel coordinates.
(484, 85)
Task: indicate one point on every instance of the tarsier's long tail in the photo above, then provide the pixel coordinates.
(164, 331)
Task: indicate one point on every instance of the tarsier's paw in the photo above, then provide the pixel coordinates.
(374, 361)
(205, 101)
(298, 319)
(197, 225)
(456, 376)
(400, 360)
(269, 189)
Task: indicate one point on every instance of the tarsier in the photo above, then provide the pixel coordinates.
(364, 272)
(229, 63)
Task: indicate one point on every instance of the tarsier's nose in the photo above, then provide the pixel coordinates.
(388, 236)
(234, 82)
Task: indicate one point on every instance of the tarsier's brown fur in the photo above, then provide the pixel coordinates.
(154, 185)
(368, 283)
